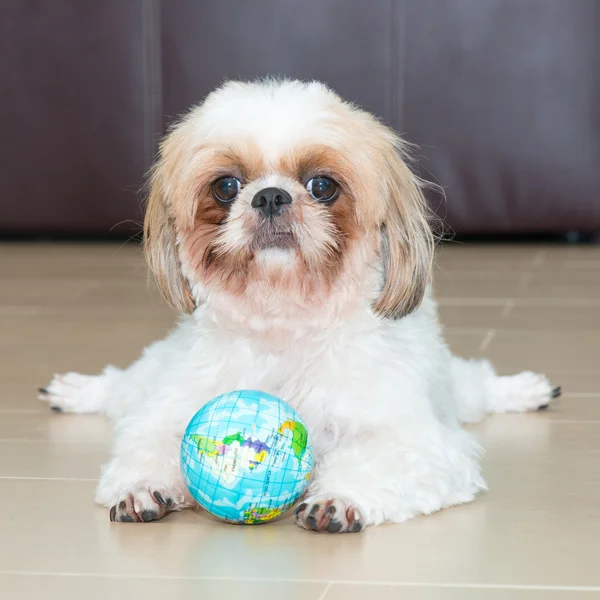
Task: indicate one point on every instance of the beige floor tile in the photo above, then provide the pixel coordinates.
(512, 285)
(487, 272)
(65, 293)
(22, 397)
(465, 343)
(571, 257)
(568, 409)
(70, 331)
(116, 292)
(472, 317)
(47, 426)
(23, 587)
(489, 257)
(34, 366)
(553, 318)
(455, 272)
(521, 314)
(68, 259)
(42, 291)
(52, 460)
(528, 257)
(73, 307)
(538, 448)
(387, 592)
(544, 351)
(480, 283)
(78, 292)
(54, 527)
(566, 283)
(60, 266)
(541, 476)
(574, 382)
(558, 302)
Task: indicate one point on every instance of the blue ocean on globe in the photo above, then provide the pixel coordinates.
(246, 457)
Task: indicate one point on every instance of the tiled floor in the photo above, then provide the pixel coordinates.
(534, 536)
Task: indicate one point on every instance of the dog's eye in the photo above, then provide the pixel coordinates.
(323, 189)
(226, 189)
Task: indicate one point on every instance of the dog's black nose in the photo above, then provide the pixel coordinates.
(270, 200)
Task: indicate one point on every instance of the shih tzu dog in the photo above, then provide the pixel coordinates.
(285, 226)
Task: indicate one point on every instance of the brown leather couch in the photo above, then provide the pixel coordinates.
(503, 97)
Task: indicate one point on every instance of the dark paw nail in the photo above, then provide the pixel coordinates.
(300, 508)
(122, 505)
(55, 408)
(126, 519)
(331, 510)
(113, 514)
(556, 392)
(160, 499)
(355, 527)
(334, 526)
(43, 391)
(543, 407)
(149, 515)
(311, 521)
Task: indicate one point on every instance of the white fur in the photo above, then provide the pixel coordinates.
(275, 114)
(382, 398)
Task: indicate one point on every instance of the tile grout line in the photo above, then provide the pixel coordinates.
(575, 421)
(507, 309)
(104, 443)
(461, 301)
(325, 591)
(330, 583)
(23, 411)
(19, 478)
(487, 340)
(16, 311)
(534, 301)
(459, 330)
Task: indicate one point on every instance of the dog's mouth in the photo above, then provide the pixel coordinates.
(267, 237)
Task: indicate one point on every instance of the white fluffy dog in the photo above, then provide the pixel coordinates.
(288, 227)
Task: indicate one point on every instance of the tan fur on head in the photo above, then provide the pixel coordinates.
(272, 134)
(407, 240)
(160, 246)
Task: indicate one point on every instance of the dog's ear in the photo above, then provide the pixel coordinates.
(407, 244)
(160, 244)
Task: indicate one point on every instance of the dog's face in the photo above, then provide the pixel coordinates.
(282, 196)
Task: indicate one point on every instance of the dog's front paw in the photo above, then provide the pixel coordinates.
(330, 515)
(143, 505)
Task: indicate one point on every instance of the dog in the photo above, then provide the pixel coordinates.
(287, 229)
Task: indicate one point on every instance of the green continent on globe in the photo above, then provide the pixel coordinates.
(231, 455)
(204, 444)
(236, 437)
(260, 514)
(299, 437)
